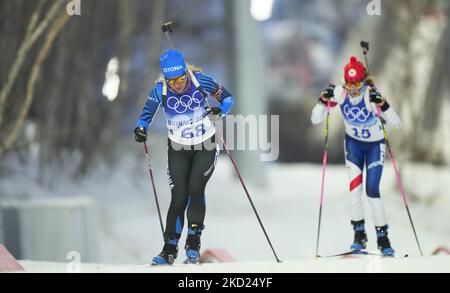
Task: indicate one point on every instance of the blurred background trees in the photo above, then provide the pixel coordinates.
(57, 110)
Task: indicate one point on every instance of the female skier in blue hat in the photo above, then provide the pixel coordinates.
(192, 148)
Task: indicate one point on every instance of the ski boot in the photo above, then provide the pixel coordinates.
(384, 245)
(359, 243)
(193, 243)
(169, 252)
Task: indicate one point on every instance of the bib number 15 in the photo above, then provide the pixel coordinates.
(191, 132)
(365, 133)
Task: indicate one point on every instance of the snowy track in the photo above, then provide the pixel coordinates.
(365, 264)
(129, 231)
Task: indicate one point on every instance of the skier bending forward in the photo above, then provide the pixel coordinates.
(192, 149)
(364, 145)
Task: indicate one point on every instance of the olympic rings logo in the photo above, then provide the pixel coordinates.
(356, 113)
(185, 102)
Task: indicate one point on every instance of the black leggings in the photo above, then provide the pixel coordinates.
(189, 171)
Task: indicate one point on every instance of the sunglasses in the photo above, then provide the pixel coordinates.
(173, 81)
(355, 85)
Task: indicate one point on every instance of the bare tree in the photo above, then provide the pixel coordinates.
(35, 29)
(36, 70)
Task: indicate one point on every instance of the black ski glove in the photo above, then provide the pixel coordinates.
(375, 97)
(214, 113)
(327, 94)
(140, 134)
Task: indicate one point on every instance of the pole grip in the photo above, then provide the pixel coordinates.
(167, 27)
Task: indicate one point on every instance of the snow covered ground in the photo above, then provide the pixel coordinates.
(288, 208)
(433, 264)
(129, 231)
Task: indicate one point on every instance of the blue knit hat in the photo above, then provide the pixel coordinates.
(172, 64)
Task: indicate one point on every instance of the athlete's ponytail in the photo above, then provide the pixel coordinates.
(194, 68)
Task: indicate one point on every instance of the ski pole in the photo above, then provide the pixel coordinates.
(365, 46)
(324, 166)
(246, 192)
(398, 179)
(154, 187)
(167, 29)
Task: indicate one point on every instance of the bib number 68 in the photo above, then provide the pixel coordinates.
(191, 132)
